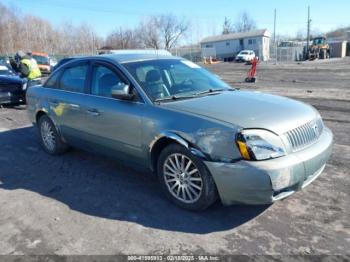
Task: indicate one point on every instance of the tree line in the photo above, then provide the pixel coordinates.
(31, 33)
(27, 32)
(243, 23)
(158, 32)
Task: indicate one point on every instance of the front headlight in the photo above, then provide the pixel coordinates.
(258, 144)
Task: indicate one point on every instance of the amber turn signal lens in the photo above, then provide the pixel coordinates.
(243, 149)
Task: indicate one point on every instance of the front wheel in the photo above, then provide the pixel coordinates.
(185, 179)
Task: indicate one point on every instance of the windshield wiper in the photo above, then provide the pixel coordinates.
(174, 97)
(209, 91)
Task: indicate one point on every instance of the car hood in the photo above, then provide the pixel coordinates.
(249, 110)
(10, 79)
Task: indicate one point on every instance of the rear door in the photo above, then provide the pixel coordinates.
(113, 126)
(68, 103)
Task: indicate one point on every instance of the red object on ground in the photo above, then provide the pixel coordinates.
(252, 71)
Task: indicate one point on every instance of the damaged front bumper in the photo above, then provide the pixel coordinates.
(263, 182)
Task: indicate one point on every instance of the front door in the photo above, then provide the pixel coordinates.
(113, 126)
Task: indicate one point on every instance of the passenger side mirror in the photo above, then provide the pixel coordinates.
(122, 91)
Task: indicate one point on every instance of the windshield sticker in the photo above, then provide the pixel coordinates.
(190, 64)
(3, 67)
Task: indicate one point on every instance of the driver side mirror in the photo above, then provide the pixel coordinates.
(122, 91)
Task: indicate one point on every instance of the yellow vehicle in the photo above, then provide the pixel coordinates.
(319, 49)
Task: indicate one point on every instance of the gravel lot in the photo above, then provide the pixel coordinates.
(80, 203)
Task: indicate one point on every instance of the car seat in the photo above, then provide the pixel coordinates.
(154, 85)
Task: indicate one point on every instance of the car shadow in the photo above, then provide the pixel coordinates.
(16, 106)
(101, 187)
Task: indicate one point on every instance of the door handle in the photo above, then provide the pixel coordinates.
(74, 106)
(93, 112)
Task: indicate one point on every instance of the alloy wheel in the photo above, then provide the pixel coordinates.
(48, 136)
(182, 178)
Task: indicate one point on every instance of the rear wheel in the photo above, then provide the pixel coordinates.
(185, 179)
(49, 137)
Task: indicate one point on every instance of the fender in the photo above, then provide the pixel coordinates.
(175, 137)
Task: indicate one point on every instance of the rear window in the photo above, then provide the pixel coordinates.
(73, 78)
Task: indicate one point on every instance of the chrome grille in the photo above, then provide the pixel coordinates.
(305, 135)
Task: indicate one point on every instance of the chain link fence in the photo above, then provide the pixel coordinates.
(190, 53)
(285, 54)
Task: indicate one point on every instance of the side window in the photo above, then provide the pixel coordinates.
(73, 78)
(52, 81)
(103, 80)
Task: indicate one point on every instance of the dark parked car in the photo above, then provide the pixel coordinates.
(201, 137)
(12, 87)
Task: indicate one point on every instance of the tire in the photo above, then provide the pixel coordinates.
(180, 188)
(323, 54)
(49, 138)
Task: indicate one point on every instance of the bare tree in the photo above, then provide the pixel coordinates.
(163, 31)
(31, 33)
(148, 32)
(227, 27)
(339, 32)
(171, 29)
(123, 39)
(244, 23)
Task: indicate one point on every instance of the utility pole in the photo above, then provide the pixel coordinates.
(274, 29)
(308, 32)
(274, 35)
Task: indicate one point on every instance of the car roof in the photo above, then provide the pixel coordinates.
(126, 58)
(120, 58)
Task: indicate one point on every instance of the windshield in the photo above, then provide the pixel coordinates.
(318, 41)
(172, 78)
(42, 60)
(243, 53)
